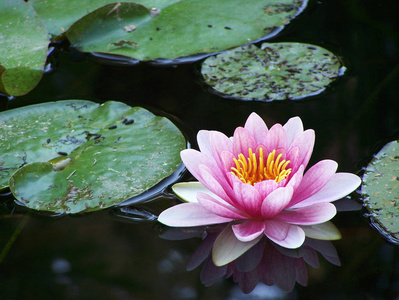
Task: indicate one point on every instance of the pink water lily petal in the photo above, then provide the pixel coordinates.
(257, 127)
(216, 185)
(242, 141)
(264, 150)
(219, 142)
(188, 215)
(276, 201)
(294, 157)
(340, 185)
(305, 142)
(283, 234)
(265, 187)
(309, 215)
(275, 138)
(248, 197)
(278, 230)
(192, 159)
(314, 179)
(296, 179)
(219, 207)
(227, 158)
(248, 230)
(203, 141)
(293, 128)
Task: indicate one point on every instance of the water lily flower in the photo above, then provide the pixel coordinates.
(256, 181)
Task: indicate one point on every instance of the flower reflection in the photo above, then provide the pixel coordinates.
(255, 182)
(265, 262)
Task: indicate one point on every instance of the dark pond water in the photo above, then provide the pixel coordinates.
(105, 256)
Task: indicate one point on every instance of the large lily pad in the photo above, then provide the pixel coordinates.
(183, 28)
(277, 71)
(59, 15)
(381, 190)
(81, 156)
(23, 47)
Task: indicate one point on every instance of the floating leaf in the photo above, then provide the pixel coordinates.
(81, 156)
(381, 191)
(23, 47)
(59, 15)
(183, 28)
(277, 71)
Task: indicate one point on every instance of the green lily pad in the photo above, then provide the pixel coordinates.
(182, 28)
(23, 47)
(277, 71)
(81, 156)
(59, 15)
(380, 190)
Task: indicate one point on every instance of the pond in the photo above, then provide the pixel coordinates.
(124, 253)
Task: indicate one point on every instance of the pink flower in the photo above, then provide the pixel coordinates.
(256, 181)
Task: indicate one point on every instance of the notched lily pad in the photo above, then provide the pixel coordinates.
(277, 71)
(81, 156)
(179, 28)
(380, 190)
(23, 47)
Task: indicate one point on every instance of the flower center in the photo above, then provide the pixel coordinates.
(253, 169)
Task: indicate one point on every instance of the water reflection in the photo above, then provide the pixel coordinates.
(266, 262)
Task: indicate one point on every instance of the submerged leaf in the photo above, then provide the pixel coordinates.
(180, 28)
(278, 71)
(23, 47)
(380, 190)
(81, 156)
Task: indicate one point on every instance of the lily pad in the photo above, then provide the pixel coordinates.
(183, 28)
(23, 47)
(380, 190)
(277, 71)
(59, 20)
(81, 156)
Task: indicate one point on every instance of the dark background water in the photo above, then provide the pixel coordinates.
(101, 256)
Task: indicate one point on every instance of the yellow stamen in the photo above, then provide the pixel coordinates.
(253, 169)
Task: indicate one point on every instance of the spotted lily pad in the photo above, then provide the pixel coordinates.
(277, 71)
(182, 28)
(23, 47)
(81, 156)
(380, 190)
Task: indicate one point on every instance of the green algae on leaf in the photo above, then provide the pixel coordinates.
(179, 29)
(380, 190)
(81, 156)
(277, 71)
(23, 47)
